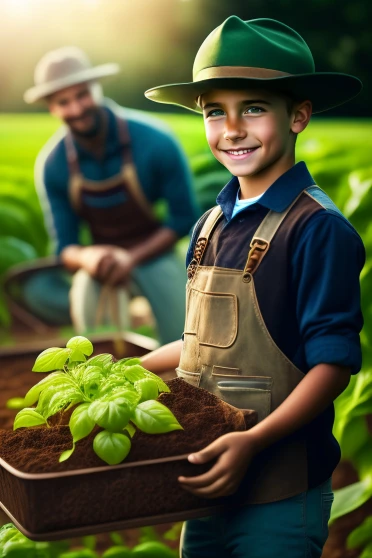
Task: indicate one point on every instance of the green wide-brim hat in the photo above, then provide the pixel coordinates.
(260, 53)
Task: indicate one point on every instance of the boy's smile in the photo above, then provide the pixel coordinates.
(252, 133)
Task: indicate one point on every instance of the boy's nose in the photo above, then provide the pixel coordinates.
(234, 129)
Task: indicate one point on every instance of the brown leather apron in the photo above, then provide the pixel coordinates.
(130, 220)
(228, 350)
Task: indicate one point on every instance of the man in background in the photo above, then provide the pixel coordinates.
(113, 169)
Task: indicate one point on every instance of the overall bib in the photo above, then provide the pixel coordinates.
(127, 222)
(228, 351)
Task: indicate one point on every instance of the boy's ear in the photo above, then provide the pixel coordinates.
(301, 116)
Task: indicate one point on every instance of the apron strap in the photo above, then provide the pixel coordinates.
(124, 139)
(203, 239)
(129, 171)
(72, 158)
(262, 238)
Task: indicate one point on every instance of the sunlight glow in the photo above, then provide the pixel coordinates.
(18, 8)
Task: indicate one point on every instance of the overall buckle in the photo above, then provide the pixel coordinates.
(199, 250)
(258, 248)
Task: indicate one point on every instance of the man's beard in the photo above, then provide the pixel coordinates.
(89, 132)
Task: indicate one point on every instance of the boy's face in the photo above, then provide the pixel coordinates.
(250, 131)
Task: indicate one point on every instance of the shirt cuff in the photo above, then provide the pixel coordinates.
(334, 349)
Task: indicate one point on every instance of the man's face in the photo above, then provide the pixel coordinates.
(249, 131)
(76, 106)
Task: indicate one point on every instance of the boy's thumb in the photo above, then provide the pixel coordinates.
(207, 454)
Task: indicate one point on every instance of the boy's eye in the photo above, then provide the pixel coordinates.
(254, 110)
(215, 112)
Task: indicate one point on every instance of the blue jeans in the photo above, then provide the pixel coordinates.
(296, 527)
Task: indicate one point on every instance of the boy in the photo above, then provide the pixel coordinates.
(273, 300)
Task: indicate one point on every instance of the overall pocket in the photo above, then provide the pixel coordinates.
(212, 317)
(192, 378)
(252, 392)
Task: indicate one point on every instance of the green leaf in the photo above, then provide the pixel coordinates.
(117, 552)
(104, 361)
(89, 541)
(83, 553)
(154, 418)
(123, 362)
(19, 549)
(161, 385)
(81, 425)
(113, 384)
(54, 399)
(147, 388)
(134, 373)
(28, 417)
(112, 415)
(362, 535)
(80, 348)
(55, 379)
(7, 532)
(153, 549)
(15, 403)
(350, 498)
(116, 538)
(131, 361)
(355, 435)
(130, 429)
(51, 359)
(91, 380)
(111, 447)
(367, 552)
(66, 454)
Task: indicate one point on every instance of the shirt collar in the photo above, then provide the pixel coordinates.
(277, 197)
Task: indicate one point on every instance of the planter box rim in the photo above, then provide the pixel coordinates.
(88, 470)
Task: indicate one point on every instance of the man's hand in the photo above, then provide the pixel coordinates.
(108, 264)
(233, 452)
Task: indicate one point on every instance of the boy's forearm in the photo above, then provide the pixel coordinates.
(319, 388)
(164, 358)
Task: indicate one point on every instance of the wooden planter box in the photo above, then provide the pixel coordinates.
(52, 506)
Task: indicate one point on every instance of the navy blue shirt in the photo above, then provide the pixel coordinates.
(161, 166)
(307, 285)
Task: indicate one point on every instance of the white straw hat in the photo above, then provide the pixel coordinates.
(62, 68)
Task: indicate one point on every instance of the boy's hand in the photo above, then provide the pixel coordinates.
(233, 452)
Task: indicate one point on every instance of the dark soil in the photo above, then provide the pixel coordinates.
(203, 417)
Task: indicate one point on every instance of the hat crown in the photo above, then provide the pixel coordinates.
(59, 64)
(258, 43)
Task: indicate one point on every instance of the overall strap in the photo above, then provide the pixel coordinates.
(124, 140)
(202, 240)
(72, 157)
(262, 238)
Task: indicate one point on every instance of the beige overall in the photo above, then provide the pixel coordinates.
(228, 350)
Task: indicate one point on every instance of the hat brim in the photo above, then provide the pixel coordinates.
(39, 92)
(325, 90)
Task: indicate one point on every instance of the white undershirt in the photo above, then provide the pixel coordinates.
(242, 204)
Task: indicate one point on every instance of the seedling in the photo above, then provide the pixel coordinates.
(115, 396)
